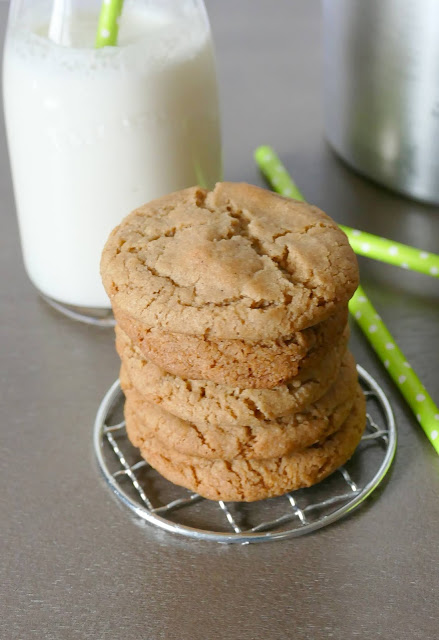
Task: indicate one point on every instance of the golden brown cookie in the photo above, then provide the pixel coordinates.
(204, 402)
(249, 480)
(238, 262)
(261, 440)
(263, 365)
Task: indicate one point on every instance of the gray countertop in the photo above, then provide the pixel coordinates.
(76, 564)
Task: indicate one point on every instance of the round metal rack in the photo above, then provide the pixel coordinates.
(179, 511)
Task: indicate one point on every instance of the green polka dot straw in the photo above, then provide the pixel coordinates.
(421, 403)
(108, 27)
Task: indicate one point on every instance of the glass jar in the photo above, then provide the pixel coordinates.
(95, 132)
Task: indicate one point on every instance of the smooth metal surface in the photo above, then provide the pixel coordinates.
(73, 565)
(383, 433)
(381, 77)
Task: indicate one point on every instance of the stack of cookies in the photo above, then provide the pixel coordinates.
(231, 310)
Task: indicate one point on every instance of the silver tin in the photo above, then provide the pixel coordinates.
(381, 77)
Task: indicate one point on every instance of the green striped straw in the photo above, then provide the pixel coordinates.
(108, 27)
(364, 244)
(393, 359)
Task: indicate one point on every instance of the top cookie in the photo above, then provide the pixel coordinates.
(236, 262)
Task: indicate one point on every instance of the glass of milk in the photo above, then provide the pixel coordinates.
(94, 133)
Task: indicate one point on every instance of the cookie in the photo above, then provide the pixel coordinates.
(239, 262)
(262, 439)
(233, 362)
(204, 402)
(249, 480)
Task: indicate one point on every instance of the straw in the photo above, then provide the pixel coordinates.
(414, 392)
(108, 27)
(364, 244)
(393, 359)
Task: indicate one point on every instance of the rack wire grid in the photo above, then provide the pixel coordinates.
(180, 511)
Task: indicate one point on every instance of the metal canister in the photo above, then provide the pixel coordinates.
(381, 75)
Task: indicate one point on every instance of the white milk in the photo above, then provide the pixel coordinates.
(95, 133)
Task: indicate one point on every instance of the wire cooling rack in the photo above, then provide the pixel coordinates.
(177, 510)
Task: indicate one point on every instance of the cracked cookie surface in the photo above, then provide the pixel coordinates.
(236, 263)
(264, 364)
(204, 402)
(249, 480)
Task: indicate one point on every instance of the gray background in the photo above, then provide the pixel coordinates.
(76, 564)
